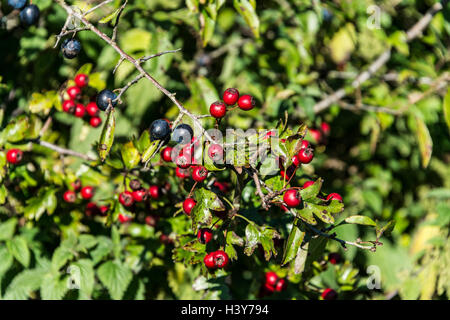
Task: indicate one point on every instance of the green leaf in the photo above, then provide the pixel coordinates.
(130, 155)
(322, 212)
(385, 229)
(109, 17)
(107, 136)
(43, 103)
(425, 142)
(82, 272)
(363, 220)
(115, 277)
(19, 249)
(7, 229)
(312, 191)
(60, 257)
(252, 238)
(247, 11)
(143, 142)
(135, 40)
(306, 214)
(46, 201)
(150, 150)
(293, 243)
(16, 130)
(24, 284)
(446, 107)
(6, 260)
(208, 27)
(53, 288)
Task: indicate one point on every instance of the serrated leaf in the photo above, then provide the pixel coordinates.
(45, 201)
(7, 229)
(305, 214)
(6, 260)
(143, 142)
(252, 238)
(115, 277)
(322, 213)
(60, 257)
(363, 220)
(53, 288)
(82, 273)
(107, 136)
(19, 249)
(24, 284)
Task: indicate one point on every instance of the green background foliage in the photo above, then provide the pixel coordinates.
(388, 152)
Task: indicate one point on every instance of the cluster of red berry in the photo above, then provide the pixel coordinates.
(273, 283)
(293, 199)
(320, 134)
(74, 106)
(87, 192)
(230, 97)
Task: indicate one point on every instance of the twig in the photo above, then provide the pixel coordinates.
(96, 7)
(411, 34)
(64, 151)
(116, 24)
(143, 59)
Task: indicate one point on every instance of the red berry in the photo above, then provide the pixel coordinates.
(92, 109)
(334, 196)
(209, 261)
(95, 122)
(68, 106)
(69, 196)
(281, 285)
(104, 210)
(246, 102)
(14, 156)
(296, 160)
(124, 218)
(307, 184)
(76, 185)
(290, 172)
(126, 198)
(81, 80)
(271, 278)
(154, 192)
(305, 144)
(139, 195)
(218, 109)
(222, 186)
(316, 134)
(183, 161)
(164, 238)
(334, 258)
(188, 205)
(215, 152)
(292, 198)
(79, 111)
(268, 289)
(204, 235)
(74, 92)
(221, 259)
(151, 220)
(329, 294)
(92, 209)
(199, 173)
(182, 173)
(87, 192)
(325, 127)
(305, 155)
(231, 96)
(167, 154)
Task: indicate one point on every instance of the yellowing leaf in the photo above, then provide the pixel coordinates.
(343, 43)
(425, 142)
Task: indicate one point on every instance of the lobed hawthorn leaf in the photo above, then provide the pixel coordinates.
(306, 215)
(300, 258)
(252, 238)
(130, 155)
(263, 235)
(362, 220)
(107, 135)
(322, 212)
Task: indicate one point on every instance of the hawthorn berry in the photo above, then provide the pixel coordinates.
(68, 106)
(183, 134)
(74, 92)
(166, 154)
(159, 129)
(307, 184)
(281, 285)
(76, 185)
(87, 192)
(218, 109)
(103, 210)
(81, 80)
(292, 198)
(17, 4)
(325, 127)
(165, 239)
(92, 109)
(124, 218)
(95, 122)
(106, 98)
(92, 209)
(126, 198)
(151, 220)
(79, 110)
(209, 261)
(222, 186)
(334, 258)
(139, 195)
(271, 278)
(204, 235)
(183, 161)
(70, 48)
(316, 135)
(296, 160)
(188, 205)
(305, 144)
(14, 156)
(334, 196)
(182, 173)
(69, 196)
(215, 152)
(221, 259)
(199, 173)
(29, 15)
(329, 294)
(289, 173)
(230, 96)
(305, 155)
(154, 192)
(246, 102)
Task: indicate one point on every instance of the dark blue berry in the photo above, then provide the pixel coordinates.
(17, 4)
(70, 48)
(104, 98)
(327, 15)
(183, 134)
(159, 130)
(29, 15)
